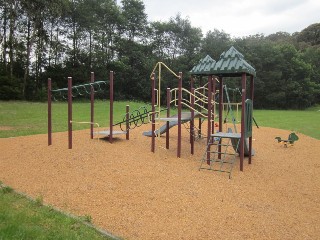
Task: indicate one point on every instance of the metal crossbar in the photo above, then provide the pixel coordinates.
(80, 90)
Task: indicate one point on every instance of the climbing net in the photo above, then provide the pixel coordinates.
(80, 90)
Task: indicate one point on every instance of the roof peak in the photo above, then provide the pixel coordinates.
(231, 52)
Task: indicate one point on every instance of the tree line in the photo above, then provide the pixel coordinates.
(41, 39)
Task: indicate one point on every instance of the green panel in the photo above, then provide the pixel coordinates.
(203, 67)
(248, 118)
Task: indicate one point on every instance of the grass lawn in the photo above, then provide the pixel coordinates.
(28, 118)
(25, 118)
(306, 122)
(21, 218)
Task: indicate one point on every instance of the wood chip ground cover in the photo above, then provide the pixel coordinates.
(135, 194)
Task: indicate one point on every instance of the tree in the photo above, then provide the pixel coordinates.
(135, 19)
(310, 35)
(215, 42)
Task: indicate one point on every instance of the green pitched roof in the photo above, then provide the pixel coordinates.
(231, 63)
(203, 67)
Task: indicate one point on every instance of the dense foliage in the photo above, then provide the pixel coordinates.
(60, 38)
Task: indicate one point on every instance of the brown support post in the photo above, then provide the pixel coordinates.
(49, 113)
(220, 112)
(153, 109)
(220, 104)
(92, 105)
(168, 115)
(192, 122)
(209, 115)
(70, 112)
(179, 114)
(191, 82)
(192, 118)
(201, 104)
(243, 112)
(213, 106)
(111, 107)
(251, 96)
(127, 122)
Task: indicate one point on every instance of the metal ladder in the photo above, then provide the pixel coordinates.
(223, 156)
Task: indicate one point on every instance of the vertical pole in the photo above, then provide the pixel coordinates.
(191, 111)
(70, 112)
(92, 105)
(209, 116)
(221, 106)
(168, 115)
(251, 96)
(243, 112)
(201, 104)
(192, 122)
(153, 109)
(179, 114)
(111, 107)
(49, 113)
(213, 99)
(191, 82)
(127, 122)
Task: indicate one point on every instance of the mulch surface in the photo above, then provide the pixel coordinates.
(136, 194)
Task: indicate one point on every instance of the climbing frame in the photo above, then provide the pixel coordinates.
(223, 155)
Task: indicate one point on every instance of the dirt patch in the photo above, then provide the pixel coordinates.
(136, 194)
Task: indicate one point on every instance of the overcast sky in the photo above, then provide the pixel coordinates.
(239, 17)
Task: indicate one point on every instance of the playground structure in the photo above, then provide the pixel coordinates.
(291, 139)
(201, 102)
(230, 64)
(194, 100)
(131, 119)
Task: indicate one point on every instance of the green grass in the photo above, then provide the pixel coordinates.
(28, 118)
(306, 122)
(21, 218)
(25, 118)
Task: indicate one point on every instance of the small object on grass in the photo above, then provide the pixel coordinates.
(291, 139)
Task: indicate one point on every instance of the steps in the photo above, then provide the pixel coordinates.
(220, 152)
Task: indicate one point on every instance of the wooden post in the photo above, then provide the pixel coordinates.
(153, 109)
(221, 106)
(127, 122)
(209, 116)
(192, 122)
(92, 105)
(70, 112)
(168, 115)
(201, 104)
(213, 106)
(251, 96)
(111, 106)
(243, 112)
(179, 114)
(49, 113)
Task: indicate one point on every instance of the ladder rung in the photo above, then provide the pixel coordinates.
(222, 153)
(217, 161)
(216, 170)
(223, 145)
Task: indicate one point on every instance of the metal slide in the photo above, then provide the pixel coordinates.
(185, 117)
(162, 130)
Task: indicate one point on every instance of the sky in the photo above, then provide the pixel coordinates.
(239, 18)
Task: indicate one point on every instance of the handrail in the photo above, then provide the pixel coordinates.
(161, 63)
